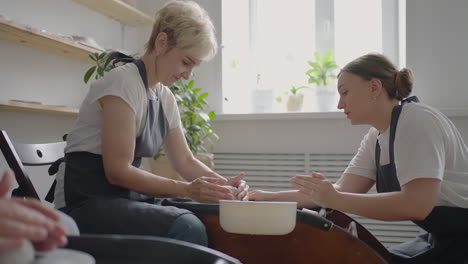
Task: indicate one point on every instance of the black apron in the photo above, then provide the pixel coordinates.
(446, 240)
(101, 207)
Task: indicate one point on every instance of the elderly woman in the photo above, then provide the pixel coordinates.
(128, 114)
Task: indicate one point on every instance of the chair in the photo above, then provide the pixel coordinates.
(105, 248)
(19, 155)
(126, 249)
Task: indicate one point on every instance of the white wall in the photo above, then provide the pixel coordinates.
(437, 42)
(289, 135)
(34, 75)
(325, 133)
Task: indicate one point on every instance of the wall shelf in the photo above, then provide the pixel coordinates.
(36, 39)
(120, 11)
(37, 108)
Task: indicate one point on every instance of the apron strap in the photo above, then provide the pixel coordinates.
(142, 69)
(116, 57)
(394, 122)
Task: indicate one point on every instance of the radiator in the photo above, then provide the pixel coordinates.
(273, 171)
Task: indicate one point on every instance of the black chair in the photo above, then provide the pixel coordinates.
(19, 155)
(125, 249)
(114, 249)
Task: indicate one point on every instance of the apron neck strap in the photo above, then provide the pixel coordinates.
(116, 57)
(394, 122)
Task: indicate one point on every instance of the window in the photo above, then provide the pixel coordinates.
(266, 46)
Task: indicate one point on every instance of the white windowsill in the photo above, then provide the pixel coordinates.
(280, 116)
(454, 112)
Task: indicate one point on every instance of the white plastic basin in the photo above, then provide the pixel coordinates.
(257, 218)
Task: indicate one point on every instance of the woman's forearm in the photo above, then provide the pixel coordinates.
(290, 196)
(193, 168)
(392, 206)
(148, 183)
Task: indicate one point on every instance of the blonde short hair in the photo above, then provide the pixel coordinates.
(188, 27)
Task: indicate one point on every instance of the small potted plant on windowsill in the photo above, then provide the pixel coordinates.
(322, 74)
(322, 71)
(195, 118)
(294, 99)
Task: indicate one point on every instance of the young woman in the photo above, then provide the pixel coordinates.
(129, 114)
(412, 153)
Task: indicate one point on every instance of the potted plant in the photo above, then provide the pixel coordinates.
(98, 69)
(294, 99)
(196, 124)
(322, 70)
(322, 73)
(195, 118)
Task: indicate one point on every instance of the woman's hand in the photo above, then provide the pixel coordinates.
(22, 219)
(241, 185)
(259, 195)
(207, 190)
(317, 187)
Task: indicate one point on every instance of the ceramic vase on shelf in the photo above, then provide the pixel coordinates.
(326, 97)
(262, 101)
(294, 102)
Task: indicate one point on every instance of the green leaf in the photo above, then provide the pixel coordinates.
(194, 128)
(203, 96)
(205, 116)
(89, 73)
(212, 115)
(106, 56)
(322, 69)
(101, 56)
(190, 84)
(328, 56)
(91, 56)
(178, 98)
(193, 115)
(194, 118)
(193, 97)
(95, 56)
(100, 71)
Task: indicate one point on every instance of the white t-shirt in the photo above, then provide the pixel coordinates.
(427, 145)
(124, 82)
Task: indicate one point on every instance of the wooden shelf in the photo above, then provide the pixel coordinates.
(36, 39)
(37, 108)
(120, 11)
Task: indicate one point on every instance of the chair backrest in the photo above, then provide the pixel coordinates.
(119, 249)
(19, 155)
